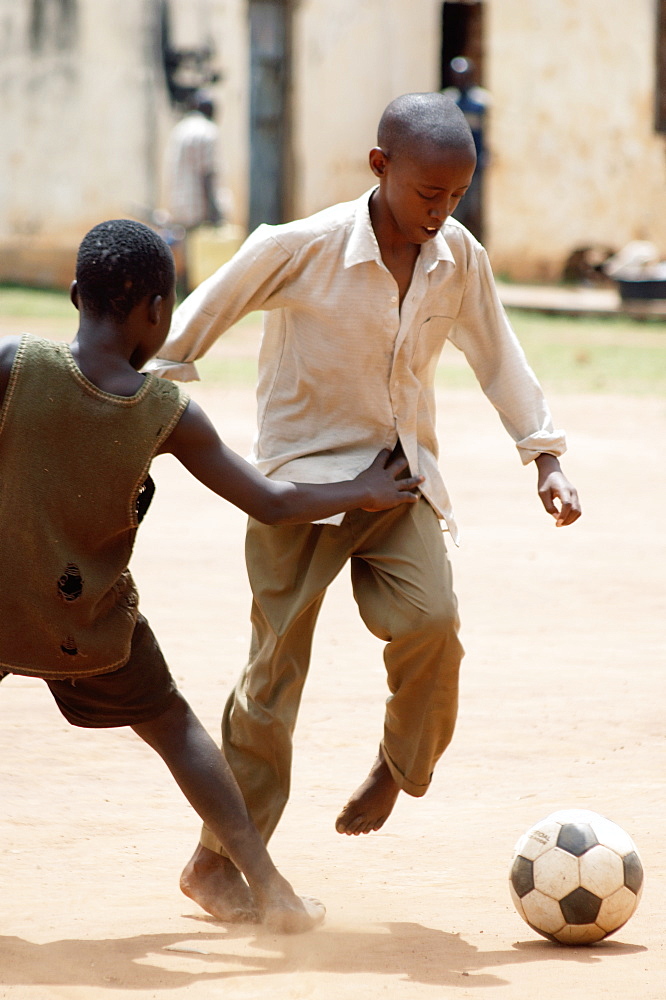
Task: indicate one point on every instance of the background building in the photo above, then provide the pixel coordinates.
(89, 90)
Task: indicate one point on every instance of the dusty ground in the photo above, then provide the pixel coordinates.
(562, 705)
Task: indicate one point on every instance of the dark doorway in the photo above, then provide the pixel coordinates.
(270, 51)
(660, 95)
(462, 35)
(461, 76)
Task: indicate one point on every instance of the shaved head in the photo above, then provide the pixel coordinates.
(421, 121)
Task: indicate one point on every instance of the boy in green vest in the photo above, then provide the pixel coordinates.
(79, 427)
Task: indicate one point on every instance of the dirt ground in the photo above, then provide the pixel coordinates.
(562, 705)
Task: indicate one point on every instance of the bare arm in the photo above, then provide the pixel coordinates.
(197, 445)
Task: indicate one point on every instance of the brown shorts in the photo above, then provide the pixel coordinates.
(137, 692)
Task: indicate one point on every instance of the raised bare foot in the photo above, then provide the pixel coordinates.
(372, 802)
(282, 911)
(213, 882)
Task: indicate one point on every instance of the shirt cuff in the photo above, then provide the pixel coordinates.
(175, 371)
(539, 444)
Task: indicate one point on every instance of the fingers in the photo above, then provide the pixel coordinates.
(408, 498)
(568, 513)
(568, 510)
(397, 466)
(411, 483)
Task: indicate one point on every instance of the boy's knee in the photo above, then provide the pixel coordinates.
(437, 624)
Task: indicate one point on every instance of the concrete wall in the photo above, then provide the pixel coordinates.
(351, 58)
(84, 116)
(80, 111)
(78, 114)
(575, 158)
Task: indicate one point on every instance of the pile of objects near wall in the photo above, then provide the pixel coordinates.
(638, 271)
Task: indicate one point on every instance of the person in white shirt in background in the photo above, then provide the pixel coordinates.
(192, 158)
(360, 299)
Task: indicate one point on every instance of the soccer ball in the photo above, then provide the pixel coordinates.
(575, 877)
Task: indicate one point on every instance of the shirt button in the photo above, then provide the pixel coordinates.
(394, 298)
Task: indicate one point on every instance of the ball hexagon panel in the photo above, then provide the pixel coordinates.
(539, 839)
(542, 913)
(580, 934)
(613, 836)
(556, 873)
(517, 902)
(601, 871)
(615, 910)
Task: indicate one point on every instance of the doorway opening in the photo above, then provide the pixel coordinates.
(461, 77)
(270, 106)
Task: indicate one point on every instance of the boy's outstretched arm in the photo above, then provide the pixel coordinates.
(554, 486)
(197, 445)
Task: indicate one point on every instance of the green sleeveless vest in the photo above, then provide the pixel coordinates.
(73, 460)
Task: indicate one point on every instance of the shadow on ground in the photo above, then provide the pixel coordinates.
(407, 951)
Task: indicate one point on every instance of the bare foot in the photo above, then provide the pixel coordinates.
(372, 802)
(213, 882)
(282, 911)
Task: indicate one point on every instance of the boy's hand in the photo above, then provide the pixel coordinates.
(384, 488)
(554, 486)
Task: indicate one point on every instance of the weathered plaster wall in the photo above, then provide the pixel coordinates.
(84, 114)
(351, 58)
(78, 115)
(575, 158)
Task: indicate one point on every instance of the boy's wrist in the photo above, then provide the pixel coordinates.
(546, 462)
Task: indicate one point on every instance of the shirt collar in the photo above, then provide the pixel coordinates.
(362, 243)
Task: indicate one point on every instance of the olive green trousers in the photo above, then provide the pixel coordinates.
(401, 579)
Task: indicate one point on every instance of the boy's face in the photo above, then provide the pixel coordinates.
(419, 190)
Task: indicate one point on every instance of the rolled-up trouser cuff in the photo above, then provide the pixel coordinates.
(401, 780)
(209, 840)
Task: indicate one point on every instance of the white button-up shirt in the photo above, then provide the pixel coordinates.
(343, 369)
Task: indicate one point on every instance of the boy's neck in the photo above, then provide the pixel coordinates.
(99, 354)
(398, 254)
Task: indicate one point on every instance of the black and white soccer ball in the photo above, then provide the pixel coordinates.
(576, 877)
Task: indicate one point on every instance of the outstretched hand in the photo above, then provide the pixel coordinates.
(384, 488)
(557, 494)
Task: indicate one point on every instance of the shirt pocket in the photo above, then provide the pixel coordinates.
(428, 346)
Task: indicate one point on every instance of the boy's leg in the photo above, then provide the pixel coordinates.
(403, 585)
(289, 569)
(208, 783)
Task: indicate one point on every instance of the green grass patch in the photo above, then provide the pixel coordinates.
(22, 302)
(615, 354)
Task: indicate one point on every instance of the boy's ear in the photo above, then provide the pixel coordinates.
(155, 309)
(74, 294)
(378, 161)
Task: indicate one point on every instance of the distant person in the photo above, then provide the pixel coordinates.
(360, 299)
(79, 428)
(192, 158)
(474, 102)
